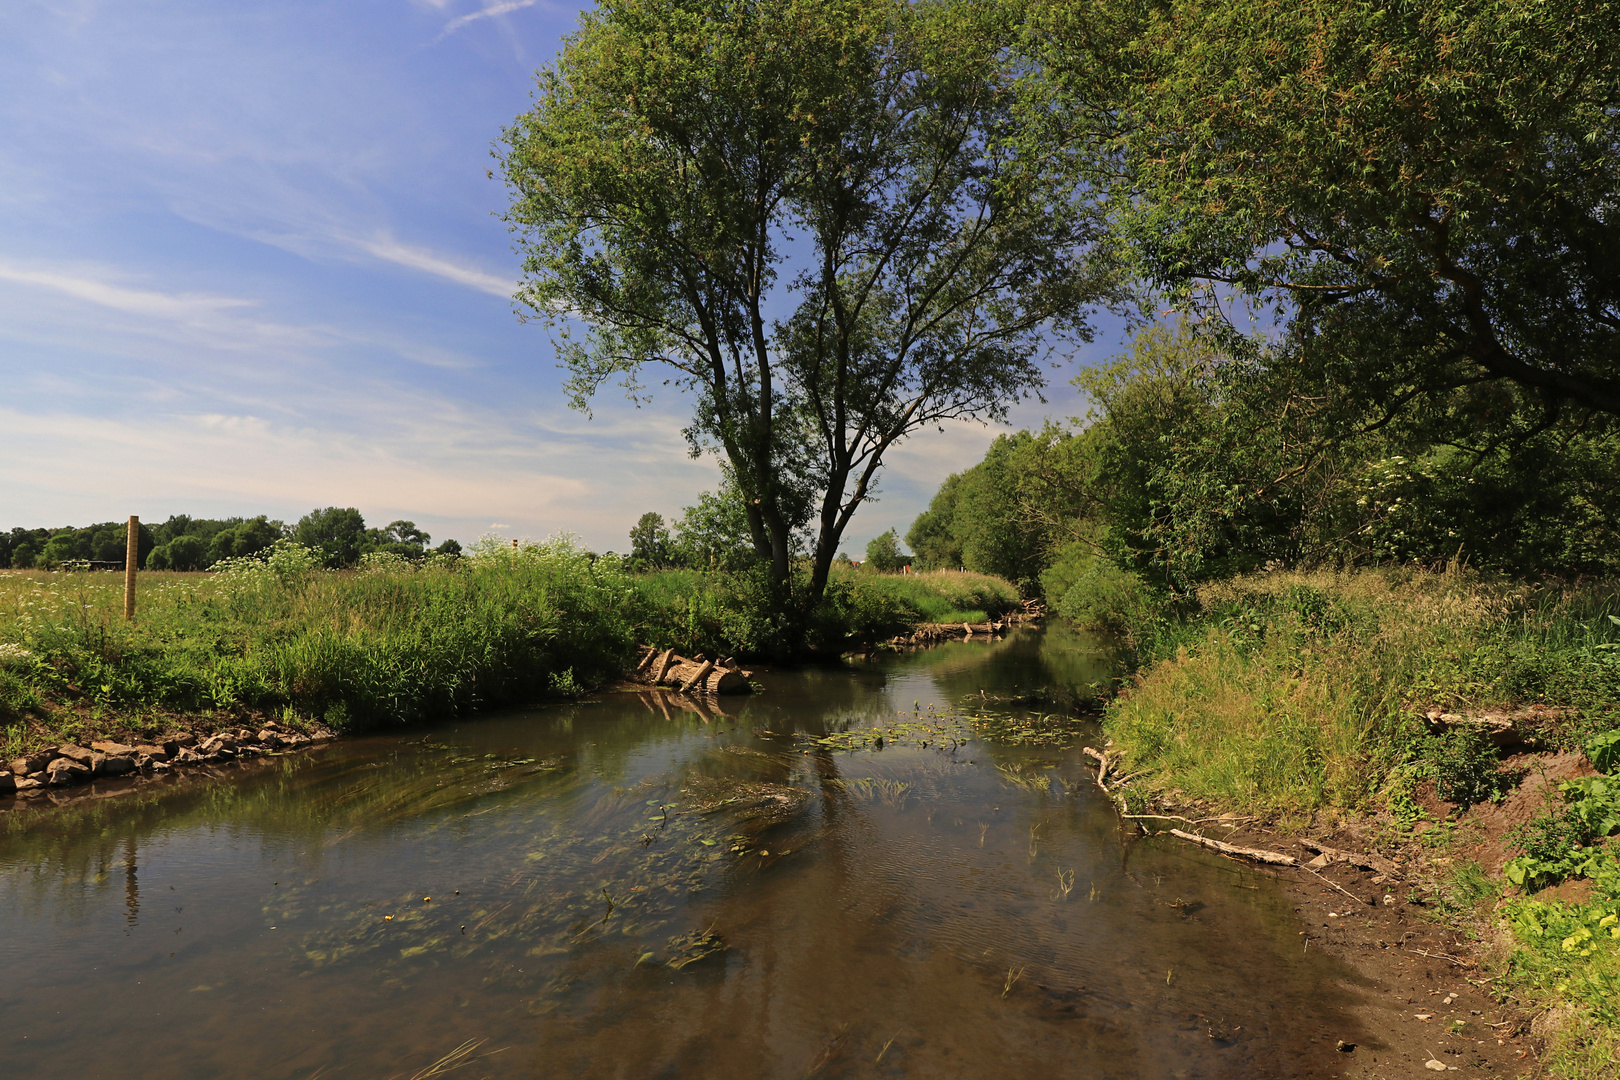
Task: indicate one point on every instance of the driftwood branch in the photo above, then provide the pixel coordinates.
(1273, 857)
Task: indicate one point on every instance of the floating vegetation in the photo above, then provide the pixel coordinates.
(1031, 776)
(948, 730)
(1030, 729)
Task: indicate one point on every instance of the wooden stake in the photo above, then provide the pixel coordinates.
(132, 555)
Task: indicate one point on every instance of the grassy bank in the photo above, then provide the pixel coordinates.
(398, 642)
(1304, 696)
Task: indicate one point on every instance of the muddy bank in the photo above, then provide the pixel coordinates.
(1425, 992)
(1427, 969)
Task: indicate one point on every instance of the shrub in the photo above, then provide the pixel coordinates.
(1466, 769)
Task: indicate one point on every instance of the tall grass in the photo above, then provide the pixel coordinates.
(944, 596)
(397, 642)
(1295, 691)
(358, 649)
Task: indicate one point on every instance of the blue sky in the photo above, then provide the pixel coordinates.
(251, 262)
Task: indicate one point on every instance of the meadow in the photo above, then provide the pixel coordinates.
(398, 641)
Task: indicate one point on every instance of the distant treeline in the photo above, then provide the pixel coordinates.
(186, 543)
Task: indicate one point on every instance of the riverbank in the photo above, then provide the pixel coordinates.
(1442, 721)
(281, 645)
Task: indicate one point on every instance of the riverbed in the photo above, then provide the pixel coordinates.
(841, 876)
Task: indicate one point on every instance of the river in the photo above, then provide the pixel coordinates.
(617, 888)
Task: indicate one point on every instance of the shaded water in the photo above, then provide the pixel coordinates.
(617, 892)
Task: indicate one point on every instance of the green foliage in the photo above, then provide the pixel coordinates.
(932, 535)
(883, 553)
(1088, 588)
(1604, 751)
(339, 534)
(1554, 845)
(244, 538)
(650, 544)
(674, 144)
(1466, 769)
(714, 534)
(1417, 254)
(1572, 951)
(1293, 691)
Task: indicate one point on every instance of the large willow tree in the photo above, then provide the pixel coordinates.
(812, 217)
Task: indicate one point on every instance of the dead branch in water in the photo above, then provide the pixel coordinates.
(1275, 858)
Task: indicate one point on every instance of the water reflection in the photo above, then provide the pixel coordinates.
(626, 888)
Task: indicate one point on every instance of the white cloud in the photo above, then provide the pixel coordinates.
(504, 7)
(171, 306)
(390, 250)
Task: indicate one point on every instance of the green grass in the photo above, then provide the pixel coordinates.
(1299, 692)
(943, 596)
(396, 642)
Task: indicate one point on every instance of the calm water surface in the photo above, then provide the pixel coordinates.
(621, 888)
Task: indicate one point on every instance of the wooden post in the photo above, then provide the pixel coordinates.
(132, 556)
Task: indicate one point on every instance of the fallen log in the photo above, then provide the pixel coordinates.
(1275, 858)
(706, 677)
(696, 677)
(661, 668)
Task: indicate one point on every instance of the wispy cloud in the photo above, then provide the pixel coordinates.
(390, 250)
(174, 306)
(505, 7)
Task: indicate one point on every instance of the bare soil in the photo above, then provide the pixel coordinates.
(1424, 977)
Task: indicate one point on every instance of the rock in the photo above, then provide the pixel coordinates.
(157, 753)
(187, 756)
(65, 770)
(186, 740)
(1435, 1064)
(293, 738)
(33, 763)
(28, 783)
(270, 738)
(75, 753)
(8, 783)
(115, 765)
(107, 746)
(219, 744)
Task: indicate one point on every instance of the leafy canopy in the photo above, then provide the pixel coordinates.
(1423, 191)
(812, 217)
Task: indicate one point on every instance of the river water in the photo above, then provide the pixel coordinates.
(623, 888)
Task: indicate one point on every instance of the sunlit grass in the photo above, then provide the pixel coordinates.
(1294, 692)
